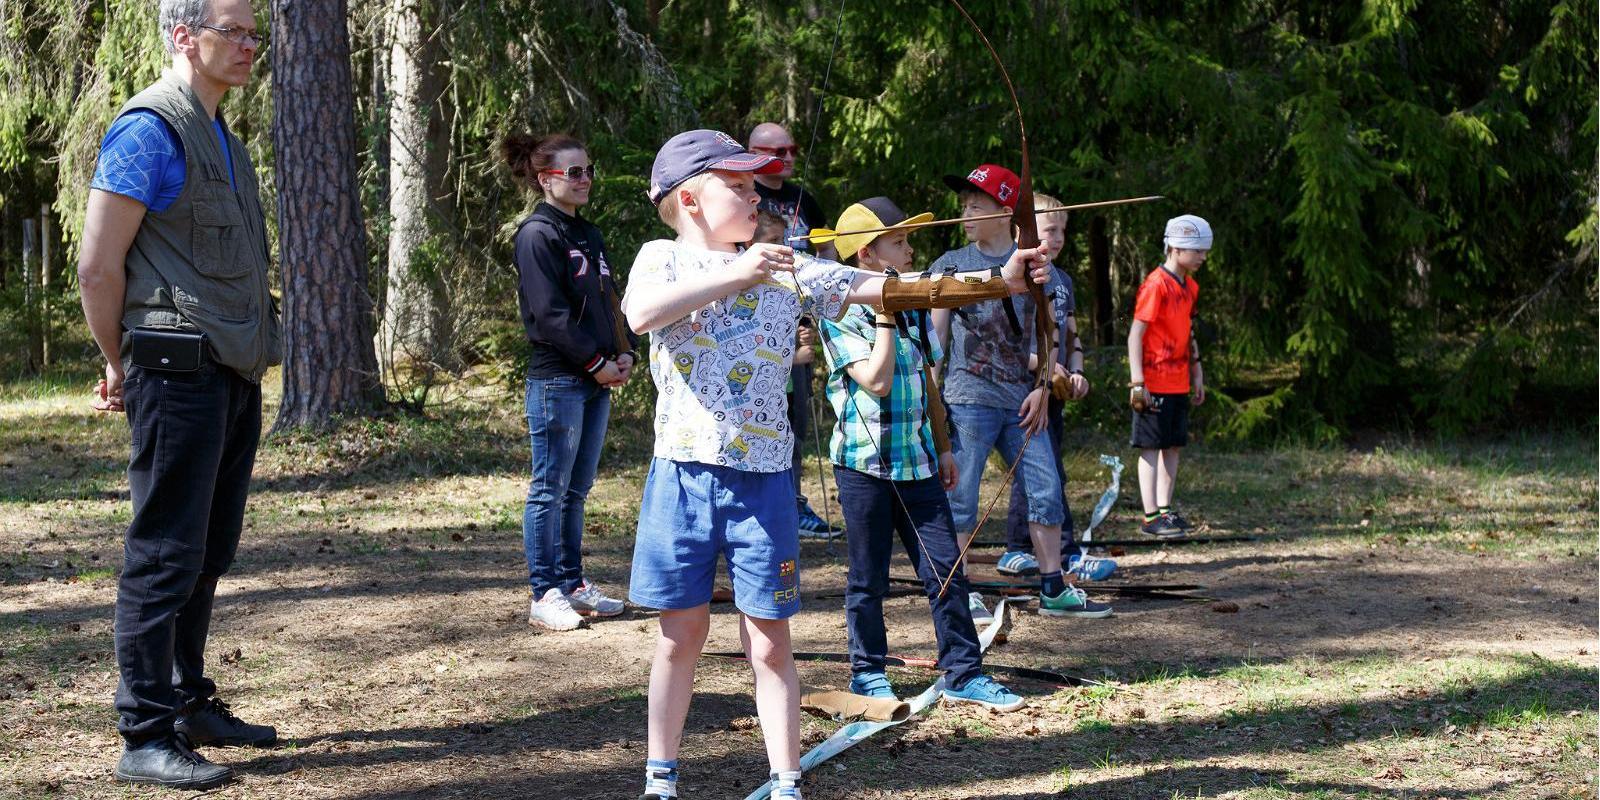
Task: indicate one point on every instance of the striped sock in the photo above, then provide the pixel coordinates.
(786, 785)
(1150, 516)
(661, 778)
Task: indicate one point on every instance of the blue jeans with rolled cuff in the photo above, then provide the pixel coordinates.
(979, 429)
(1017, 538)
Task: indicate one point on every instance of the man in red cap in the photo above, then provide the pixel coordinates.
(989, 389)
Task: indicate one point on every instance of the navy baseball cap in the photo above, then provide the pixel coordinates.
(692, 152)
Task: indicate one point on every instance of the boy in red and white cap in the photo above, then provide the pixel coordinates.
(989, 388)
(1164, 370)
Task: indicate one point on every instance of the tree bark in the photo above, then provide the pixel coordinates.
(329, 367)
(30, 296)
(415, 329)
(1100, 268)
(47, 233)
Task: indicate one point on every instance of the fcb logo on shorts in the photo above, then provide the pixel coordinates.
(789, 579)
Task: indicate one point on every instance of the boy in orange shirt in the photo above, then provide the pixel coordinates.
(1164, 370)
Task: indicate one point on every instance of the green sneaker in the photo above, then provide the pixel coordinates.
(1072, 603)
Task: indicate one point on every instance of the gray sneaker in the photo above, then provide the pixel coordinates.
(1162, 527)
(589, 601)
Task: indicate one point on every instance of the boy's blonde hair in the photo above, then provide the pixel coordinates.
(669, 210)
(1046, 201)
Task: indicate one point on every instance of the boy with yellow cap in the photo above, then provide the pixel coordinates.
(893, 465)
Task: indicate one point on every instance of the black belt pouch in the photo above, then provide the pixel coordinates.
(168, 349)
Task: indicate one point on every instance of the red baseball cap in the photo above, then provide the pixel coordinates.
(993, 180)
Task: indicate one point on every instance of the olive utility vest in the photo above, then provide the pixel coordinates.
(202, 263)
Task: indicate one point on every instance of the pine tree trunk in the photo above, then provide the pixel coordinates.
(329, 368)
(46, 265)
(415, 329)
(30, 296)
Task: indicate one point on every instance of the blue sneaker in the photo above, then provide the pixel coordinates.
(985, 691)
(1090, 568)
(872, 684)
(815, 525)
(1015, 563)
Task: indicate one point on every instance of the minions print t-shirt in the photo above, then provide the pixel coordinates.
(720, 372)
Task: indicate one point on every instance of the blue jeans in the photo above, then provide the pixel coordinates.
(978, 429)
(875, 510)
(566, 426)
(1017, 538)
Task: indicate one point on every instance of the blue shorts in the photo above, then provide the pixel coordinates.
(693, 512)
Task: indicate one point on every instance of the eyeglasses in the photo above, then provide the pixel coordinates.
(572, 173)
(240, 36)
(792, 151)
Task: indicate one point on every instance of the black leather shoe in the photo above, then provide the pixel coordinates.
(213, 724)
(169, 762)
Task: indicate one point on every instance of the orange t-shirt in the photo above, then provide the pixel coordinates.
(1167, 307)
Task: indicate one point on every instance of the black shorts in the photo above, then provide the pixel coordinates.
(1165, 424)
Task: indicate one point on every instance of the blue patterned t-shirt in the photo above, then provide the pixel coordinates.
(142, 157)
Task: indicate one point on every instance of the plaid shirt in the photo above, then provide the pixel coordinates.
(886, 437)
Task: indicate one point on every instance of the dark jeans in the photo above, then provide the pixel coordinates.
(194, 438)
(1017, 538)
(800, 421)
(872, 516)
(566, 427)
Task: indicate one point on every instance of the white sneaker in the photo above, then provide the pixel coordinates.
(589, 601)
(980, 612)
(554, 611)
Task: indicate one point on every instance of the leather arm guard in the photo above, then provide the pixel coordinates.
(942, 290)
(845, 707)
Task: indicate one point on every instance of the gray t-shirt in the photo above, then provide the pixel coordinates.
(1064, 303)
(988, 359)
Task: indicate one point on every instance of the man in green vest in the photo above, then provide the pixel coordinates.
(174, 278)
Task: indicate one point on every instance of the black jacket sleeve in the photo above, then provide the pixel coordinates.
(546, 292)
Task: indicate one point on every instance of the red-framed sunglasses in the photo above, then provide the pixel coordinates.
(571, 173)
(792, 151)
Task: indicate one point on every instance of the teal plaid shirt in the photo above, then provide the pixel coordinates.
(886, 437)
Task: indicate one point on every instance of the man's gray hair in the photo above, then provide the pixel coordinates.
(189, 13)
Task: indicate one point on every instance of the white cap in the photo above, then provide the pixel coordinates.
(1188, 232)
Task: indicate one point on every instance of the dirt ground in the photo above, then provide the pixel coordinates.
(1414, 621)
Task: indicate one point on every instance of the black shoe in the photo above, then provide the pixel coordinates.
(213, 724)
(169, 762)
(1178, 520)
(1162, 527)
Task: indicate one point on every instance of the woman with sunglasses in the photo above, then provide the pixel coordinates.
(581, 349)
